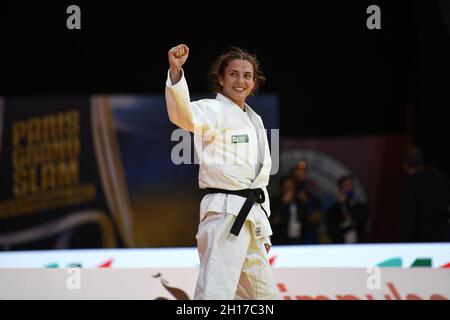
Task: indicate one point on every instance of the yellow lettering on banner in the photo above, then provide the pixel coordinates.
(73, 123)
(24, 181)
(47, 176)
(46, 168)
(53, 126)
(33, 180)
(19, 130)
(33, 130)
(67, 173)
(46, 151)
(48, 200)
(20, 186)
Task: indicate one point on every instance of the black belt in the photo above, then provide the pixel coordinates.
(252, 195)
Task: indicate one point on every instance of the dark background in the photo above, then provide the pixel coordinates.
(334, 76)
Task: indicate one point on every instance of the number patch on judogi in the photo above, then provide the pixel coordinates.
(258, 230)
(242, 138)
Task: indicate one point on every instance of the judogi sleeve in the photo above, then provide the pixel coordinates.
(189, 115)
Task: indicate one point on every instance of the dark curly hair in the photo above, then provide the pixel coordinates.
(217, 69)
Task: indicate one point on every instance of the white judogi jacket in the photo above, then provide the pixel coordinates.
(232, 147)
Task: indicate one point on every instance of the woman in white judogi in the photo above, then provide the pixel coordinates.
(234, 167)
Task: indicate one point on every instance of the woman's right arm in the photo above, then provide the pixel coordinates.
(177, 57)
(191, 116)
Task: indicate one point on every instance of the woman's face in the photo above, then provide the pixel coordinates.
(238, 81)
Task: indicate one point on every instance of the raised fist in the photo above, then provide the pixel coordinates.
(178, 56)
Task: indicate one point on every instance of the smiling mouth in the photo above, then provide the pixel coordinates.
(239, 89)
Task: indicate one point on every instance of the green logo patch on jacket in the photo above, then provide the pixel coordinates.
(242, 138)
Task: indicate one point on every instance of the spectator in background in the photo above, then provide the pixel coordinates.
(300, 217)
(311, 215)
(424, 210)
(300, 176)
(285, 219)
(347, 220)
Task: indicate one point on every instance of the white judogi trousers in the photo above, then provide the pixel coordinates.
(232, 267)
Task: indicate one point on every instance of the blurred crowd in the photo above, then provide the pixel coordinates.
(300, 217)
